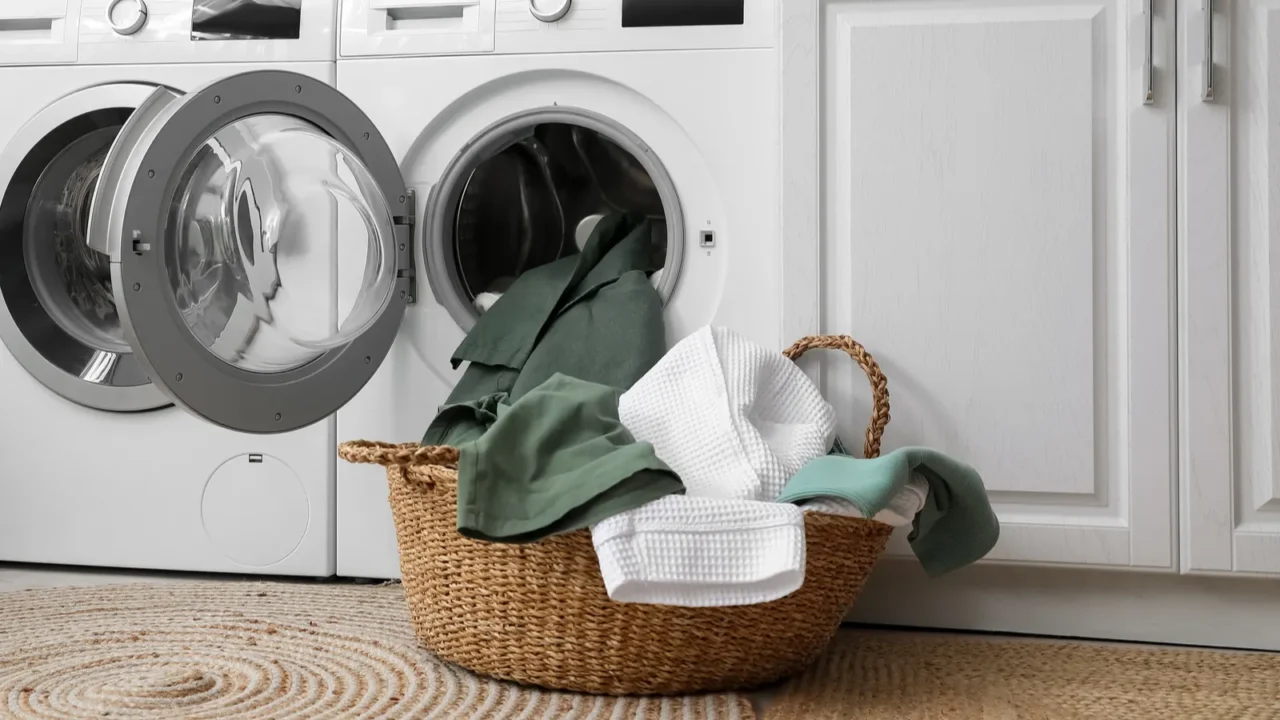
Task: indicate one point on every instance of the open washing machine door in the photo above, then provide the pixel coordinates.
(219, 211)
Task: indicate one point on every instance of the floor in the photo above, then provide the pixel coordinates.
(20, 577)
(15, 576)
(23, 577)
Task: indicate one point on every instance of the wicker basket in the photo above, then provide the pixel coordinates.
(538, 613)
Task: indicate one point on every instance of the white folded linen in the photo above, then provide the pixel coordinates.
(700, 552)
(735, 421)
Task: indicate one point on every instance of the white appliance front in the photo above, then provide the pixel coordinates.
(218, 208)
(703, 123)
(98, 468)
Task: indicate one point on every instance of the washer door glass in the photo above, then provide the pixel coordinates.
(58, 314)
(529, 190)
(245, 250)
(220, 211)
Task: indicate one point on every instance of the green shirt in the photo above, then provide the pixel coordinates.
(592, 316)
(555, 461)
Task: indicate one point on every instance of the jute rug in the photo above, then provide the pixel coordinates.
(904, 676)
(239, 650)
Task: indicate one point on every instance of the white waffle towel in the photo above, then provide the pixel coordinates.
(701, 551)
(732, 418)
(735, 421)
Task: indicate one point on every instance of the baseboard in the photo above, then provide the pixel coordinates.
(1098, 604)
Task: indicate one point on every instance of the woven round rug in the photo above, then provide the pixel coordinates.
(908, 676)
(255, 650)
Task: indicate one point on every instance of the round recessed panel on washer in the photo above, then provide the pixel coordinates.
(232, 201)
(255, 510)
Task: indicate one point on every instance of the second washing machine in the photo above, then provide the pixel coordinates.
(517, 124)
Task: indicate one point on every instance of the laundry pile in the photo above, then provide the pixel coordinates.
(693, 468)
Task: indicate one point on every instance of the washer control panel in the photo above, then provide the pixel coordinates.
(139, 32)
(399, 28)
(634, 25)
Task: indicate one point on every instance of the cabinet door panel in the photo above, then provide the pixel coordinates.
(997, 230)
(1229, 225)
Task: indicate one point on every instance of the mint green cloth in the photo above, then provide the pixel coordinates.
(593, 316)
(956, 526)
(555, 461)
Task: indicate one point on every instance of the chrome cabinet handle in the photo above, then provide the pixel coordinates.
(1148, 63)
(1206, 70)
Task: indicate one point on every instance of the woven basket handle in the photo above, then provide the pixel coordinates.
(879, 385)
(378, 453)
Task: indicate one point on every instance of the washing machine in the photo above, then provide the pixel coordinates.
(516, 124)
(102, 462)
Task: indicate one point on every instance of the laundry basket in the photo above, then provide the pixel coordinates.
(539, 614)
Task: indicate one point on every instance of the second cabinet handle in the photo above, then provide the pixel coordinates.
(1148, 62)
(1206, 93)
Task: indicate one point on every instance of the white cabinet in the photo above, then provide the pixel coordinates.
(996, 223)
(1073, 288)
(1229, 278)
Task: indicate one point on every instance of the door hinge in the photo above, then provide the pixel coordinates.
(406, 274)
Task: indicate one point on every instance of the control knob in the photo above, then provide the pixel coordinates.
(554, 9)
(127, 17)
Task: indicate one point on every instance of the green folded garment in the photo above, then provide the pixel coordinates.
(612, 335)
(956, 526)
(593, 316)
(555, 461)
